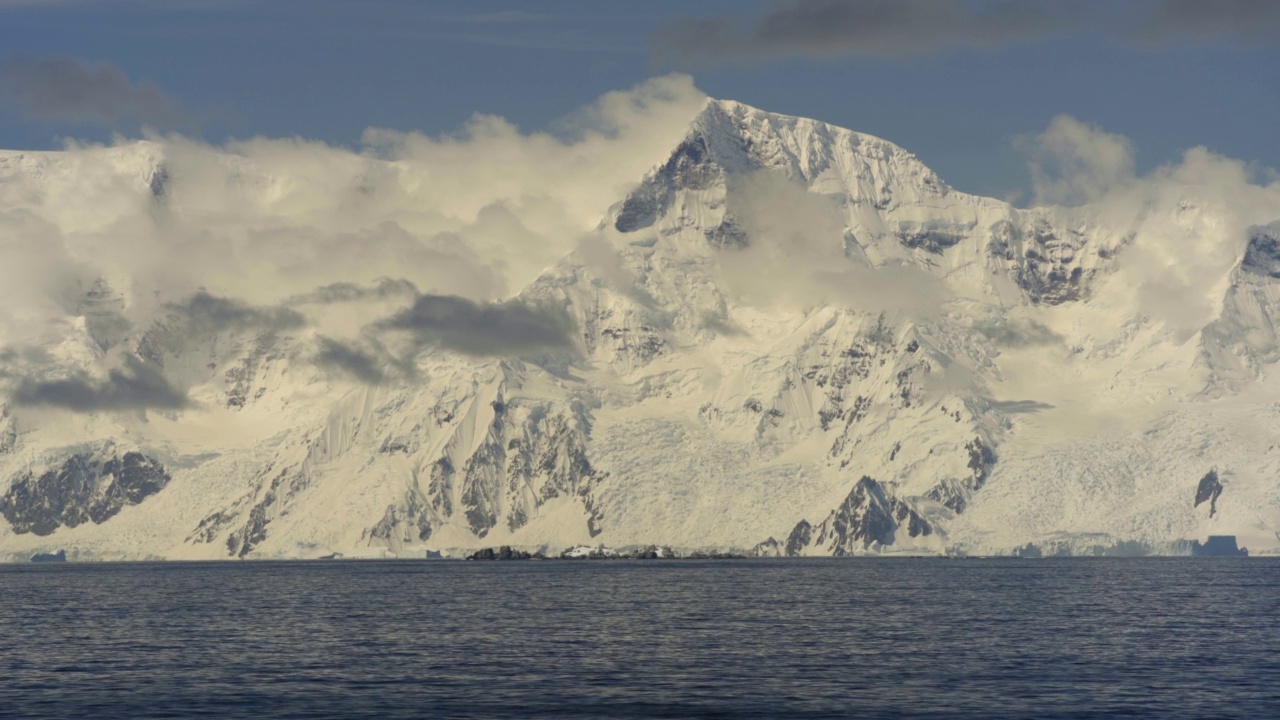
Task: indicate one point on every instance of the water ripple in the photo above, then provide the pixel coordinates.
(937, 638)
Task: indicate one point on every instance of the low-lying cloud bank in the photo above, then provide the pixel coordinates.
(422, 238)
(173, 224)
(371, 255)
(136, 386)
(508, 328)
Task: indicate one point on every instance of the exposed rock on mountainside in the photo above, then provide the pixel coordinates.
(1209, 490)
(869, 518)
(87, 487)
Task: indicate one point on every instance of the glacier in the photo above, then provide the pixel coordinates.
(787, 338)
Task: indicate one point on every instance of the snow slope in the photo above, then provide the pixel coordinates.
(788, 337)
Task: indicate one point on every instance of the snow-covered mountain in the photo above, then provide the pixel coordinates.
(788, 338)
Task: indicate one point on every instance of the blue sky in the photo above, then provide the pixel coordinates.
(956, 82)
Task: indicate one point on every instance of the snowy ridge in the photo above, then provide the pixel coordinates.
(788, 337)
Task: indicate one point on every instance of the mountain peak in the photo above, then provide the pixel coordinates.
(728, 138)
(802, 147)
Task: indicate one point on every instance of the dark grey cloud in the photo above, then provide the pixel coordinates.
(483, 328)
(1019, 407)
(1236, 21)
(211, 314)
(1017, 333)
(67, 89)
(349, 359)
(720, 324)
(136, 386)
(827, 28)
(887, 28)
(344, 292)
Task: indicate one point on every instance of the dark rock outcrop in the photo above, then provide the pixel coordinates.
(1208, 491)
(800, 537)
(728, 234)
(1047, 264)
(931, 240)
(770, 547)
(1262, 255)
(85, 488)
(284, 485)
(690, 167)
(954, 493)
(403, 523)
(870, 515)
(506, 552)
(545, 453)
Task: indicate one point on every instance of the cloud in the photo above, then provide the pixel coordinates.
(40, 277)
(1191, 225)
(1073, 163)
(208, 314)
(1187, 223)
(606, 263)
(895, 28)
(719, 324)
(252, 233)
(345, 292)
(268, 223)
(137, 386)
(506, 328)
(796, 256)
(829, 28)
(67, 89)
(1016, 332)
(1234, 21)
(349, 359)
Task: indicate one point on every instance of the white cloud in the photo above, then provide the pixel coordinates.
(792, 257)
(1073, 163)
(478, 214)
(1191, 223)
(1189, 220)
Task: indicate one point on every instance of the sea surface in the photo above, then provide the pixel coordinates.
(1055, 638)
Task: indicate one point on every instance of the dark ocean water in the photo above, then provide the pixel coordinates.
(1165, 638)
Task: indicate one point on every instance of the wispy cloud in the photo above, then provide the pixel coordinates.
(209, 314)
(343, 292)
(892, 28)
(1073, 162)
(72, 90)
(1235, 21)
(827, 28)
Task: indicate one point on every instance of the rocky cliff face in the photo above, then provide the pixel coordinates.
(1208, 490)
(1242, 341)
(869, 518)
(86, 488)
